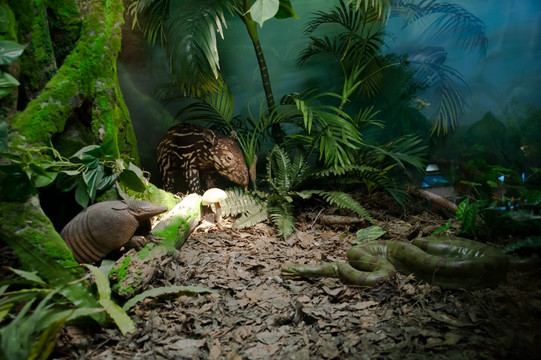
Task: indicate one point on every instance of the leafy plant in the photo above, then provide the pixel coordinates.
(188, 33)
(355, 47)
(91, 169)
(358, 44)
(9, 52)
(466, 213)
(286, 178)
(32, 329)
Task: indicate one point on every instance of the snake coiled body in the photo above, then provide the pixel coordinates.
(448, 262)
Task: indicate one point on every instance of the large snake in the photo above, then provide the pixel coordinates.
(451, 262)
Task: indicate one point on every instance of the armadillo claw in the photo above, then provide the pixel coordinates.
(139, 242)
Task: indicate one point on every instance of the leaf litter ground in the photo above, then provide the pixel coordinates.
(257, 314)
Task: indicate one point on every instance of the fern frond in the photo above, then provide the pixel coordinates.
(346, 169)
(239, 203)
(300, 169)
(252, 218)
(344, 201)
(282, 217)
(278, 170)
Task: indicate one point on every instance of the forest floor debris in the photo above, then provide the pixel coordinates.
(258, 314)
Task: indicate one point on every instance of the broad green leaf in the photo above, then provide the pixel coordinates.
(10, 51)
(23, 295)
(4, 309)
(8, 81)
(263, 10)
(66, 180)
(92, 178)
(442, 228)
(107, 181)
(370, 233)
(5, 91)
(45, 179)
(53, 315)
(180, 290)
(286, 10)
(89, 155)
(108, 148)
(81, 193)
(136, 169)
(15, 185)
(119, 316)
(461, 208)
(16, 339)
(130, 179)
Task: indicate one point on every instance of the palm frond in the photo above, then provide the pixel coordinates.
(214, 108)
(326, 128)
(405, 149)
(445, 84)
(469, 30)
(366, 117)
(381, 8)
(392, 187)
(150, 16)
(190, 30)
(318, 46)
(341, 15)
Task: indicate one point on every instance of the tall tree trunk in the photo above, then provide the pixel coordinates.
(251, 26)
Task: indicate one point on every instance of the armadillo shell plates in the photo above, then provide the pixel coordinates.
(93, 233)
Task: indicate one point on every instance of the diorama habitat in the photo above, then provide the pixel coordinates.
(270, 179)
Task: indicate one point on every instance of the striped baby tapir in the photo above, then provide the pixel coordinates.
(195, 151)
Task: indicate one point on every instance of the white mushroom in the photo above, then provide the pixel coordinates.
(214, 196)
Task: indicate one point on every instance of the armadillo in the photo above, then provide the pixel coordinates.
(191, 150)
(108, 226)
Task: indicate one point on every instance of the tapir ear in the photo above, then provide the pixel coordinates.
(209, 136)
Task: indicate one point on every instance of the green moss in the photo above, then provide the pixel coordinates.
(26, 222)
(125, 278)
(23, 11)
(120, 272)
(88, 73)
(66, 10)
(160, 197)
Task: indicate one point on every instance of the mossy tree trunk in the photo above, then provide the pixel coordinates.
(82, 96)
